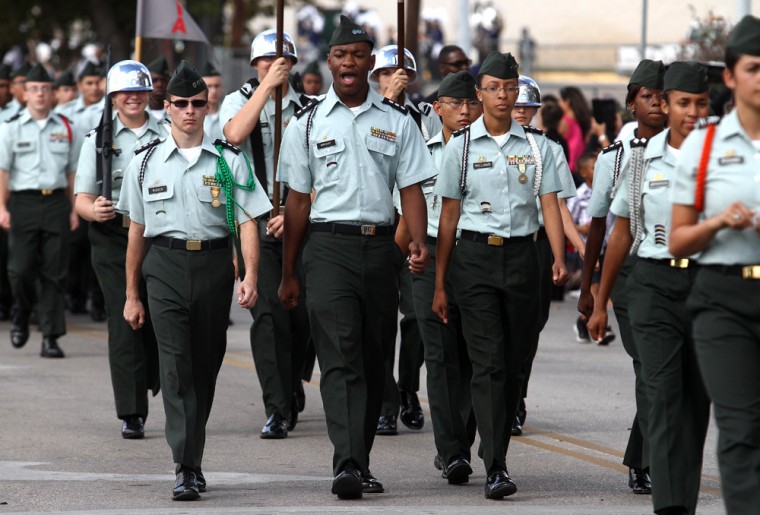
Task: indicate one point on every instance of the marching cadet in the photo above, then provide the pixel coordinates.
(351, 147)
(88, 102)
(185, 195)
(526, 107)
(279, 337)
(493, 170)
(213, 80)
(715, 212)
(5, 92)
(65, 92)
(448, 367)
(393, 82)
(159, 74)
(131, 353)
(643, 100)
(679, 408)
(37, 151)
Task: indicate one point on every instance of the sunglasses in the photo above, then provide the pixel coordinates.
(184, 103)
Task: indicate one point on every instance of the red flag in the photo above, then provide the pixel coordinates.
(167, 19)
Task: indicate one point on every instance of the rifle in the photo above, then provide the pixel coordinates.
(104, 143)
(277, 114)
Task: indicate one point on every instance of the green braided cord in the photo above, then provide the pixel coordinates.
(227, 182)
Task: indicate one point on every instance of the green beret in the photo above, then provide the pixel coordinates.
(64, 79)
(186, 82)
(90, 70)
(38, 74)
(501, 66)
(5, 72)
(348, 32)
(312, 69)
(648, 74)
(745, 38)
(22, 71)
(458, 85)
(208, 70)
(686, 76)
(159, 66)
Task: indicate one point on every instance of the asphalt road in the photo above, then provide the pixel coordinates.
(61, 449)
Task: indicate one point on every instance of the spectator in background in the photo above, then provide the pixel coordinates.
(551, 116)
(312, 79)
(576, 123)
(451, 59)
(527, 51)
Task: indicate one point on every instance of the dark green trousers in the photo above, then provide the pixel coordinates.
(726, 316)
(39, 252)
(132, 355)
(449, 370)
(352, 300)
(279, 337)
(411, 352)
(679, 409)
(496, 289)
(189, 294)
(637, 451)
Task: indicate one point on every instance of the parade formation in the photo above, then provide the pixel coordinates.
(351, 214)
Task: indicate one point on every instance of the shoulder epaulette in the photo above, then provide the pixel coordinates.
(92, 132)
(461, 131)
(425, 108)
(639, 142)
(614, 146)
(249, 87)
(534, 130)
(705, 122)
(228, 145)
(14, 117)
(308, 107)
(148, 145)
(395, 105)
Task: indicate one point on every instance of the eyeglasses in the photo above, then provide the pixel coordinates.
(38, 89)
(182, 104)
(458, 64)
(457, 104)
(493, 90)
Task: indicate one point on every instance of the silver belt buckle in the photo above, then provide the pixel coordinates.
(368, 230)
(193, 245)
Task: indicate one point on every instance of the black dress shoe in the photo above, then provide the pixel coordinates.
(293, 420)
(186, 485)
(438, 462)
(348, 484)
(411, 412)
(370, 485)
(522, 412)
(19, 329)
(639, 481)
(133, 428)
(200, 479)
(386, 426)
(299, 396)
(499, 485)
(98, 314)
(457, 472)
(276, 428)
(50, 348)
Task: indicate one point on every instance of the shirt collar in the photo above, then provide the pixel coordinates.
(478, 129)
(373, 98)
(657, 146)
(436, 140)
(731, 126)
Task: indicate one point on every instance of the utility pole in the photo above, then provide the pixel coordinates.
(464, 37)
(644, 5)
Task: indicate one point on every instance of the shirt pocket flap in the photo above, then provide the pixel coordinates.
(386, 148)
(117, 175)
(25, 146)
(328, 147)
(155, 192)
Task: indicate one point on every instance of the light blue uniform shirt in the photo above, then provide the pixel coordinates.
(430, 123)
(37, 158)
(125, 142)
(565, 177)
(235, 101)
(495, 201)
(212, 127)
(354, 161)
(733, 174)
(604, 172)
(175, 199)
(656, 188)
(436, 146)
(10, 110)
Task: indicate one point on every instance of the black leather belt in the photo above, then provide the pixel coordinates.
(191, 245)
(38, 193)
(430, 240)
(353, 230)
(541, 234)
(118, 221)
(750, 272)
(672, 263)
(492, 239)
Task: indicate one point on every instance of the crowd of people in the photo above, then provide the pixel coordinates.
(453, 213)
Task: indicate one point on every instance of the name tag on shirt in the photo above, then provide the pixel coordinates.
(157, 189)
(326, 144)
(731, 160)
(264, 125)
(659, 184)
(482, 164)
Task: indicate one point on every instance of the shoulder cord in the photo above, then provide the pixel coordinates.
(465, 158)
(704, 161)
(225, 179)
(635, 172)
(309, 121)
(616, 170)
(144, 164)
(539, 162)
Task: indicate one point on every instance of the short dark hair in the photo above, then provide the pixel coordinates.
(731, 58)
(448, 49)
(551, 114)
(633, 90)
(584, 159)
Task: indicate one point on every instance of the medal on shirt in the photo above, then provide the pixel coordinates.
(215, 193)
(522, 167)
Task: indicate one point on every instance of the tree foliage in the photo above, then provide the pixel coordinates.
(707, 38)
